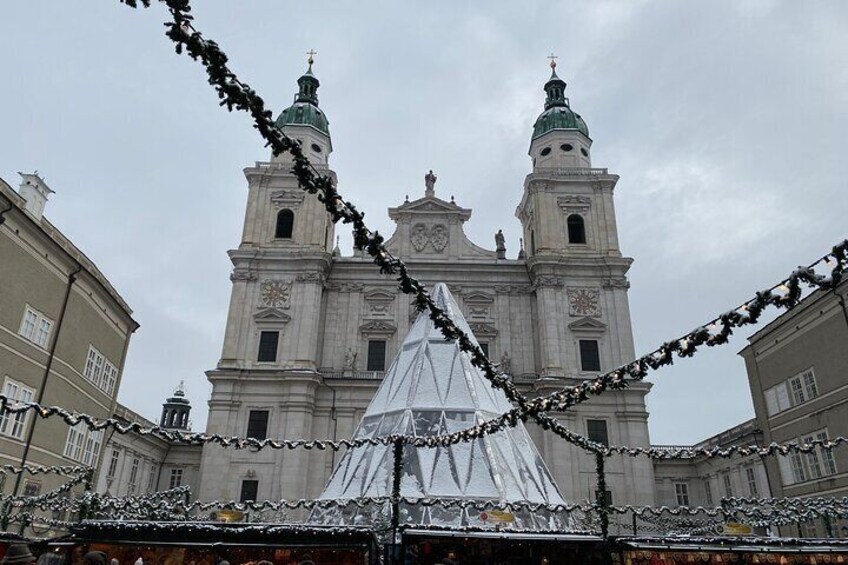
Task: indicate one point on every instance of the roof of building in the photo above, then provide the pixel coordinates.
(558, 113)
(788, 315)
(305, 110)
(65, 244)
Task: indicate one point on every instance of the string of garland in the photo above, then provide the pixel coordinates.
(833, 509)
(271, 531)
(782, 544)
(50, 496)
(123, 507)
(727, 452)
(792, 501)
(235, 94)
(61, 470)
(28, 518)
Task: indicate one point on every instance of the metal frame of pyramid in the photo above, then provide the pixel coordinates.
(432, 388)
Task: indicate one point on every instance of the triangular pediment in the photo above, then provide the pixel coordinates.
(377, 327)
(427, 206)
(271, 315)
(587, 325)
(379, 295)
(478, 297)
(483, 329)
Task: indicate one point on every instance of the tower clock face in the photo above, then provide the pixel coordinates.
(275, 293)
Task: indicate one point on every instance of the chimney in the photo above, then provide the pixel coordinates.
(35, 192)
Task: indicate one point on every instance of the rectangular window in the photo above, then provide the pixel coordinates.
(74, 443)
(708, 492)
(810, 384)
(752, 482)
(28, 324)
(13, 425)
(35, 327)
(803, 387)
(176, 478)
(777, 399)
(827, 455)
(809, 529)
(596, 430)
(681, 491)
(728, 486)
(43, 332)
(376, 355)
(268, 347)
(83, 445)
(257, 424)
(110, 375)
(485, 347)
(32, 488)
(607, 498)
(590, 357)
(813, 464)
(92, 447)
(113, 464)
(151, 479)
(134, 471)
(249, 490)
(799, 474)
(100, 371)
(797, 389)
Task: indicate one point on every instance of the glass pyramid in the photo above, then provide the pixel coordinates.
(432, 388)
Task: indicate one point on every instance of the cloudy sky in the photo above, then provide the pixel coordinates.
(726, 120)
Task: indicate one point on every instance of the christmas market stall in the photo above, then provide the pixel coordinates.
(192, 543)
(727, 551)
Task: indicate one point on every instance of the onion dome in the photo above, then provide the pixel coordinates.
(558, 114)
(305, 110)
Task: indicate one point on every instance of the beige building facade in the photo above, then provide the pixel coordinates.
(704, 481)
(798, 373)
(64, 333)
(311, 331)
(135, 464)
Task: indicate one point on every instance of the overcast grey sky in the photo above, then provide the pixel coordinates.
(727, 122)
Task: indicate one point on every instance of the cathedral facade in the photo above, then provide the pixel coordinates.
(310, 332)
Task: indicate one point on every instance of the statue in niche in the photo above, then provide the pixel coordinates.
(430, 184)
(500, 244)
(350, 360)
(506, 364)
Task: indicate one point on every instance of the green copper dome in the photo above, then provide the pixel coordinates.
(305, 110)
(558, 114)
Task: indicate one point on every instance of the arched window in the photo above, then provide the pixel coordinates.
(285, 222)
(576, 229)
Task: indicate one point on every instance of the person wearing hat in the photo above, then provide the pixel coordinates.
(18, 554)
(95, 558)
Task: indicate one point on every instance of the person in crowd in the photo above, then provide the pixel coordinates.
(95, 558)
(18, 554)
(50, 558)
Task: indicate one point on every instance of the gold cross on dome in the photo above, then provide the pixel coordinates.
(553, 59)
(311, 53)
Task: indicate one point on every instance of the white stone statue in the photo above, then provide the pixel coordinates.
(350, 360)
(505, 364)
(430, 183)
(500, 244)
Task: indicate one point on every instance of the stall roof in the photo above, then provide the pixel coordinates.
(504, 534)
(205, 533)
(737, 544)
